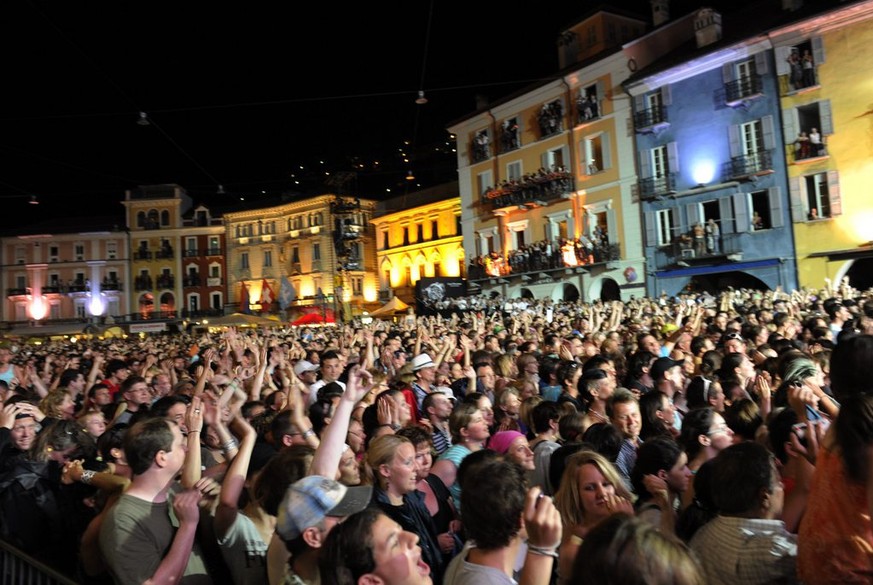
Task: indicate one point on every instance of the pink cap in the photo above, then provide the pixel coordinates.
(502, 440)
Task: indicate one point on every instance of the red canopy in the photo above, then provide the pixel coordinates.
(313, 319)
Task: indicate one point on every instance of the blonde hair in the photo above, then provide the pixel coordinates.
(526, 408)
(568, 498)
(381, 451)
(51, 403)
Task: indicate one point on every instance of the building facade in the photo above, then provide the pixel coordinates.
(418, 236)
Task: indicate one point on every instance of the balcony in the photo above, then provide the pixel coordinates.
(213, 281)
(16, 292)
(164, 253)
(109, 285)
(479, 152)
(213, 251)
(651, 120)
(142, 255)
(189, 253)
(743, 89)
(537, 264)
(166, 282)
(537, 191)
(189, 281)
(141, 283)
(683, 253)
(748, 165)
(657, 187)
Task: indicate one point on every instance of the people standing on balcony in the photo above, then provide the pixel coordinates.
(757, 221)
(712, 236)
(796, 75)
(699, 234)
(801, 146)
(808, 69)
(815, 144)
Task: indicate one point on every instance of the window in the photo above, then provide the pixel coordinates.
(406, 235)
(244, 260)
(806, 127)
(588, 102)
(80, 251)
(434, 229)
(419, 229)
(385, 245)
(815, 196)
(596, 154)
(316, 252)
(213, 245)
(20, 281)
(214, 271)
(661, 226)
(480, 149)
(660, 162)
(484, 182)
(216, 301)
(111, 250)
(54, 251)
(357, 285)
(766, 209)
(650, 111)
(20, 255)
(509, 135)
(513, 171)
(191, 246)
(268, 258)
(555, 159)
(797, 65)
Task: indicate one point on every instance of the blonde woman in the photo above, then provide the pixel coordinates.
(391, 467)
(591, 490)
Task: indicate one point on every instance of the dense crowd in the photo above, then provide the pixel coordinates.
(672, 440)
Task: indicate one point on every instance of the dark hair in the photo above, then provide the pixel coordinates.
(653, 455)
(779, 431)
(702, 509)
(129, 382)
(743, 417)
(851, 364)
(652, 426)
(112, 438)
(162, 405)
(347, 554)
(543, 414)
(739, 475)
(143, 441)
(416, 435)
(548, 368)
(288, 465)
(605, 438)
(570, 425)
(328, 354)
(69, 375)
(695, 423)
(639, 360)
(494, 490)
(710, 363)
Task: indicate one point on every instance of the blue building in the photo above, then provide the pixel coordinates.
(712, 171)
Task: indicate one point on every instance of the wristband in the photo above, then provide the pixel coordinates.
(87, 476)
(542, 551)
(230, 445)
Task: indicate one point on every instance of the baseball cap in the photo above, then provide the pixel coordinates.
(422, 361)
(303, 366)
(309, 500)
(660, 366)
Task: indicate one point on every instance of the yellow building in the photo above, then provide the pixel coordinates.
(555, 165)
(154, 221)
(320, 244)
(417, 236)
(831, 167)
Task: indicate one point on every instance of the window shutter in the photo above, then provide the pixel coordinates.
(565, 157)
(727, 72)
(604, 143)
(645, 164)
(651, 233)
(724, 209)
(734, 140)
(797, 214)
(767, 131)
(611, 226)
(775, 196)
(639, 103)
(782, 66)
(601, 95)
(824, 114)
(834, 194)
(761, 62)
(692, 210)
(741, 214)
(818, 51)
(672, 157)
(789, 123)
(666, 95)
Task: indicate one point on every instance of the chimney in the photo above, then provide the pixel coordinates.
(660, 12)
(707, 27)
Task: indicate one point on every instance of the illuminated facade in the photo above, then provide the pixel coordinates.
(165, 282)
(829, 178)
(64, 275)
(712, 175)
(546, 178)
(419, 236)
(297, 240)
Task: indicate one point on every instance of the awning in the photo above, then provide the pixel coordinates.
(720, 268)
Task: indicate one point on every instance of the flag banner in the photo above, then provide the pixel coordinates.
(267, 296)
(287, 294)
(244, 300)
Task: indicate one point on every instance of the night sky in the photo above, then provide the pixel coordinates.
(244, 95)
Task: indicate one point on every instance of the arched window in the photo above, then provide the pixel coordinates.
(141, 219)
(165, 218)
